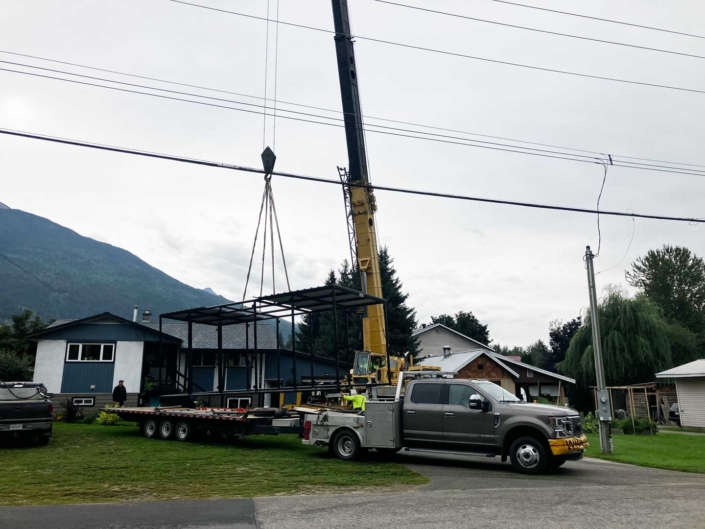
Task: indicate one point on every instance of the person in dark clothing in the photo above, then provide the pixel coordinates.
(120, 393)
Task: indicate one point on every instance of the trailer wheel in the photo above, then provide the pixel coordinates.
(166, 429)
(149, 428)
(346, 446)
(183, 431)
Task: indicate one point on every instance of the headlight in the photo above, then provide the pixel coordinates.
(563, 426)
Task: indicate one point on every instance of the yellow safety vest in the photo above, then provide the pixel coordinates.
(358, 401)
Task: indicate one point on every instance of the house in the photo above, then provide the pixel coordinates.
(522, 380)
(84, 359)
(690, 386)
(433, 338)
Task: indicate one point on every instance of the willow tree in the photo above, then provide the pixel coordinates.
(635, 343)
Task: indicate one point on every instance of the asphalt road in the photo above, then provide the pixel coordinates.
(463, 492)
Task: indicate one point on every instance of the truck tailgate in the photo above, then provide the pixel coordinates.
(24, 410)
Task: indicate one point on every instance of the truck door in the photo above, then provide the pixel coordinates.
(463, 426)
(423, 413)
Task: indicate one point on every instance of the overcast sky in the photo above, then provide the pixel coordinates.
(516, 269)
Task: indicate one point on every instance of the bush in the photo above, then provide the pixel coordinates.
(591, 424)
(108, 419)
(640, 426)
(90, 416)
(15, 367)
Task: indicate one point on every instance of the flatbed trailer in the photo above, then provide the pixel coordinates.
(187, 424)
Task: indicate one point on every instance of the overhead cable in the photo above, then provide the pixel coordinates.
(600, 19)
(526, 28)
(367, 117)
(220, 165)
(390, 131)
(457, 54)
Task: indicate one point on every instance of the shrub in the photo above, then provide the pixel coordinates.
(640, 426)
(591, 424)
(90, 416)
(14, 366)
(108, 419)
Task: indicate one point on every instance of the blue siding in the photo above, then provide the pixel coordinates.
(303, 368)
(79, 376)
(203, 377)
(106, 332)
(237, 378)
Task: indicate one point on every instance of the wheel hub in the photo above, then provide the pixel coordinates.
(346, 446)
(528, 456)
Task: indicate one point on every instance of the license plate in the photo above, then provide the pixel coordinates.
(15, 427)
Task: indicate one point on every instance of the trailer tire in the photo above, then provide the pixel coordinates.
(183, 431)
(149, 428)
(166, 429)
(346, 446)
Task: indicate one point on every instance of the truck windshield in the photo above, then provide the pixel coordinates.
(362, 363)
(496, 392)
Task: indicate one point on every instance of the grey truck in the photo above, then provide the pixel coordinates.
(443, 414)
(25, 412)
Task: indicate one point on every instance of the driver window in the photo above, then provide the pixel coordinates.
(460, 395)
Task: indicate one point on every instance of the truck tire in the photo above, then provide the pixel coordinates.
(183, 431)
(528, 455)
(43, 440)
(149, 428)
(166, 429)
(346, 446)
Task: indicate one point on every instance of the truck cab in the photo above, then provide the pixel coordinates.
(444, 414)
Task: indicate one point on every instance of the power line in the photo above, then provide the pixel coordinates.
(41, 281)
(367, 117)
(526, 28)
(410, 134)
(220, 165)
(600, 19)
(459, 55)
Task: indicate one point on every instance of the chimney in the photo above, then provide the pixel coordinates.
(134, 313)
(146, 317)
(423, 325)
(446, 351)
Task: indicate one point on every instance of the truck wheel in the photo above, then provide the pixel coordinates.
(43, 440)
(149, 428)
(183, 431)
(528, 455)
(166, 428)
(346, 446)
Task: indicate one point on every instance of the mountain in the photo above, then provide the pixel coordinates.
(58, 273)
(209, 290)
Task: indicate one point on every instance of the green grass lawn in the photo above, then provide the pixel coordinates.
(669, 451)
(94, 463)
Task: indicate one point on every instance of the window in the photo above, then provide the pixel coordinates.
(427, 394)
(83, 401)
(203, 358)
(90, 352)
(238, 403)
(460, 395)
(480, 367)
(529, 373)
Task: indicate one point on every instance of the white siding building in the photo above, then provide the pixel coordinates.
(690, 385)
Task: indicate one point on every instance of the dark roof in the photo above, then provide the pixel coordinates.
(102, 318)
(422, 330)
(317, 299)
(206, 336)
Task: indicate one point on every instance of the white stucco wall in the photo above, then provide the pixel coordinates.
(128, 365)
(49, 364)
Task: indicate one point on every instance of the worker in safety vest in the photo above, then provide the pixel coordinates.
(358, 401)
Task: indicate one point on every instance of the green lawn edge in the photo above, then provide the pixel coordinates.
(109, 464)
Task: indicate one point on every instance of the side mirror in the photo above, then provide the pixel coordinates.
(475, 404)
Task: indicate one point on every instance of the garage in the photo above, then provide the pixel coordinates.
(690, 385)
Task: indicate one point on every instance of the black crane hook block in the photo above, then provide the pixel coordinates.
(268, 160)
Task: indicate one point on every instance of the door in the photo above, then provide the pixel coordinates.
(423, 413)
(463, 426)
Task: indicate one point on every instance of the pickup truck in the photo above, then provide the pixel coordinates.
(25, 411)
(453, 415)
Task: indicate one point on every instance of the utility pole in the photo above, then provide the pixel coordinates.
(603, 411)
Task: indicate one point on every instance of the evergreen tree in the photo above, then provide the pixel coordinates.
(401, 319)
(465, 323)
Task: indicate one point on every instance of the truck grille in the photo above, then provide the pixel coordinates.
(577, 426)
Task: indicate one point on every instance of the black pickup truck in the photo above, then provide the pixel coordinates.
(25, 411)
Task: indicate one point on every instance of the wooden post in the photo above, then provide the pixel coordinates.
(648, 411)
(630, 392)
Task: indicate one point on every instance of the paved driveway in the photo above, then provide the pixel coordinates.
(463, 492)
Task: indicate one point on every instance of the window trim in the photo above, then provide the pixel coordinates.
(80, 352)
(83, 403)
(238, 399)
